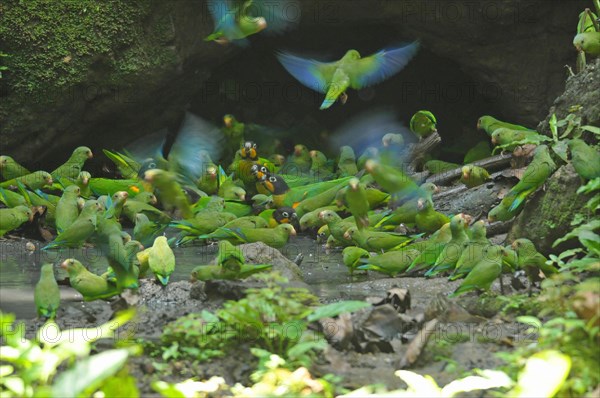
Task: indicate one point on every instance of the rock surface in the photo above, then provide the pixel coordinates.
(126, 69)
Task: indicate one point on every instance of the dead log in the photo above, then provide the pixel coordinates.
(417, 151)
(491, 163)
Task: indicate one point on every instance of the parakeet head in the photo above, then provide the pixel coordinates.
(3, 161)
(277, 159)
(120, 196)
(211, 172)
(287, 228)
(275, 184)
(83, 152)
(371, 165)
(353, 183)
(47, 269)
(351, 54)
(300, 150)
(350, 233)
(84, 177)
(466, 171)
(579, 41)
(392, 139)
(73, 190)
(430, 187)
(71, 265)
(228, 120)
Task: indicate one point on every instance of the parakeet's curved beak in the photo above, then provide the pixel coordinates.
(90, 155)
(347, 235)
(297, 151)
(261, 23)
(293, 232)
(353, 184)
(242, 196)
(313, 153)
(436, 189)
(64, 265)
(420, 203)
(514, 245)
(321, 215)
(370, 165)
(467, 218)
(227, 120)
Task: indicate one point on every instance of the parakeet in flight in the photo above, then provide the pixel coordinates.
(351, 71)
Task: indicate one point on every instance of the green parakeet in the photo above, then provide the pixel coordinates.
(322, 199)
(90, 285)
(13, 218)
(535, 175)
(312, 219)
(320, 167)
(67, 209)
(375, 241)
(138, 204)
(72, 167)
(481, 150)
(439, 166)
(116, 204)
(585, 159)
(510, 139)
(229, 190)
(161, 260)
(358, 204)
(490, 124)
(368, 153)
(347, 162)
(215, 272)
(502, 211)
(275, 237)
(230, 257)
(531, 261)
(201, 224)
(127, 165)
(46, 294)
(209, 180)
(391, 179)
(472, 251)
(588, 42)
(431, 248)
(427, 219)
(351, 71)
(236, 20)
(299, 161)
(352, 255)
(337, 227)
(145, 231)
(83, 182)
(233, 130)
(171, 194)
(484, 273)
(391, 263)
(449, 256)
(81, 229)
(473, 176)
(423, 123)
(33, 181)
(10, 169)
(106, 186)
(247, 222)
(12, 199)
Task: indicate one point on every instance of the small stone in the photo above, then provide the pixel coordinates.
(30, 246)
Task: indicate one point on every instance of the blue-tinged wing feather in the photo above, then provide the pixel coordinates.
(381, 65)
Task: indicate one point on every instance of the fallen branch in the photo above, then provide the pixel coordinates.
(491, 163)
(417, 344)
(417, 151)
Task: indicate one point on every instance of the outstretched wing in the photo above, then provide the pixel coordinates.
(313, 74)
(381, 65)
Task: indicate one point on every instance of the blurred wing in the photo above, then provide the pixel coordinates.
(149, 146)
(367, 128)
(196, 144)
(225, 19)
(313, 74)
(381, 65)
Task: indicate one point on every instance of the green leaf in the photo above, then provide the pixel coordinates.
(487, 379)
(530, 320)
(335, 309)
(553, 127)
(551, 367)
(560, 148)
(591, 129)
(89, 372)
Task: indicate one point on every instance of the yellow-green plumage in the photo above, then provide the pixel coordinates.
(489, 124)
(375, 241)
(473, 176)
(13, 218)
(391, 263)
(90, 285)
(10, 169)
(161, 260)
(46, 294)
(423, 123)
(352, 256)
(484, 273)
(67, 209)
(72, 167)
(356, 198)
(585, 159)
(33, 181)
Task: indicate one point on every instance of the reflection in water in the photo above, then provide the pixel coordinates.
(19, 269)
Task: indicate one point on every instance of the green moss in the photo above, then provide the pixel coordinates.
(54, 45)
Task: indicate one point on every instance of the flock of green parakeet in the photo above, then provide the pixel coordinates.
(384, 220)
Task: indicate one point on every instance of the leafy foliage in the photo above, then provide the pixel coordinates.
(32, 366)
